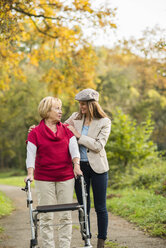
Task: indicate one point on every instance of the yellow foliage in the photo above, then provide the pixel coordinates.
(134, 92)
(153, 94)
(49, 30)
(163, 102)
(81, 4)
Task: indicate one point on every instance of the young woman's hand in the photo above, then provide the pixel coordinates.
(74, 131)
(31, 128)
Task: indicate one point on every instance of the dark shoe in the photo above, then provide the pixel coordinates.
(100, 243)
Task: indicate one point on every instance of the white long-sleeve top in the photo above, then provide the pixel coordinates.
(32, 149)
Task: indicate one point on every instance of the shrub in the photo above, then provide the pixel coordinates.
(129, 146)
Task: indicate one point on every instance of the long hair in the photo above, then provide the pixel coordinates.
(95, 111)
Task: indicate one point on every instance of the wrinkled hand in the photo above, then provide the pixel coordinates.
(31, 128)
(77, 170)
(74, 131)
(30, 177)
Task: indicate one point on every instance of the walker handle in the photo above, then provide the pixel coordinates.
(79, 177)
(26, 186)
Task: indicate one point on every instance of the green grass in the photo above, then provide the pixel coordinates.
(13, 178)
(110, 244)
(6, 207)
(11, 173)
(8, 178)
(76, 227)
(142, 207)
(14, 181)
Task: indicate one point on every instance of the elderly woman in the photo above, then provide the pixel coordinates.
(92, 127)
(53, 159)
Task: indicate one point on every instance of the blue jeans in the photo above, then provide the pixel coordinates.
(99, 187)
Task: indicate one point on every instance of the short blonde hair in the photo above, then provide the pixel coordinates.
(45, 106)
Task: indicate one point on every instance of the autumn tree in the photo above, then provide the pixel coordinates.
(18, 110)
(131, 75)
(51, 31)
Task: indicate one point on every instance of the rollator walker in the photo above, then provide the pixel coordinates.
(82, 210)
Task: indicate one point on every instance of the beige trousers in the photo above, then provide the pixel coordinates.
(50, 193)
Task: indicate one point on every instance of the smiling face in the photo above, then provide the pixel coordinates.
(55, 114)
(83, 107)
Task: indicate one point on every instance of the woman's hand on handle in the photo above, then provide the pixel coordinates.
(77, 170)
(30, 174)
(30, 177)
(76, 167)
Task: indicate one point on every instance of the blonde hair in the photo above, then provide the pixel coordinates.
(94, 109)
(45, 106)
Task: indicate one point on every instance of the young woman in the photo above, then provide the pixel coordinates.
(92, 127)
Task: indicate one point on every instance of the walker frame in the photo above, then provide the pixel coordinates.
(82, 209)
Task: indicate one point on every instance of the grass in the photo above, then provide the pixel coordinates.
(6, 178)
(76, 227)
(11, 173)
(13, 178)
(142, 207)
(14, 181)
(6, 207)
(110, 244)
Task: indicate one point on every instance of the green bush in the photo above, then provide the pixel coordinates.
(129, 146)
(152, 176)
(147, 175)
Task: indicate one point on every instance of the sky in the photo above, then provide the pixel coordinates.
(132, 18)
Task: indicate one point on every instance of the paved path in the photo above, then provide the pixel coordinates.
(17, 228)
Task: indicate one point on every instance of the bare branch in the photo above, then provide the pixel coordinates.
(33, 15)
(42, 32)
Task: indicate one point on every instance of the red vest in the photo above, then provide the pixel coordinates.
(53, 160)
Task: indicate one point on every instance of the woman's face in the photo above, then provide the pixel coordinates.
(56, 111)
(83, 107)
